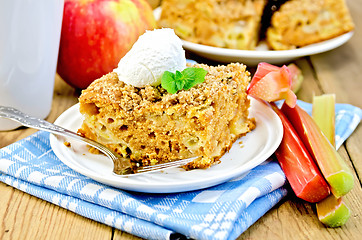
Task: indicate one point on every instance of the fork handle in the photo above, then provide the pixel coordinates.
(40, 124)
(29, 121)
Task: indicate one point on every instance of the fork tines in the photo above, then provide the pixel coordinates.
(161, 166)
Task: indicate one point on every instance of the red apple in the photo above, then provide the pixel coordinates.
(96, 34)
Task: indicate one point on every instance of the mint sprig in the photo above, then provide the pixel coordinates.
(186, 79)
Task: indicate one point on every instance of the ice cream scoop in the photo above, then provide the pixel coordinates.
(152, 54)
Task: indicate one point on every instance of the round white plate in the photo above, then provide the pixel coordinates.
(246, 153)
(262, 53)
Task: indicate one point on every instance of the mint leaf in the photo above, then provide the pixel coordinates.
(193, 76)
(186, 79)
(179, 80)
(168, 82)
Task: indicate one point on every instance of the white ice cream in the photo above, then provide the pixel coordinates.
(154, 53)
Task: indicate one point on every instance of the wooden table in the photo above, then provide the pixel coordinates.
(339, 71)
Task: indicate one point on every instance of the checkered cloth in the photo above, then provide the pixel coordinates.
(220, 212)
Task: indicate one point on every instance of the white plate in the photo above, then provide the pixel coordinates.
(246, 153)
(252, 58)
(262, 53)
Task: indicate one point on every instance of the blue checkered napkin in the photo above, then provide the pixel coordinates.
(220, 212)
(31, 166)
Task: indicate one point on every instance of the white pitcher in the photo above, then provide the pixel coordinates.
(29, 43)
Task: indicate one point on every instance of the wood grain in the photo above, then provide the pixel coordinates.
(27, 217)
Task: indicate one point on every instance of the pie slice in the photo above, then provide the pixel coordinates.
(150, 126)
(299, 23)
(228, 24)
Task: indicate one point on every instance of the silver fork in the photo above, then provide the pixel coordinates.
(122, 166)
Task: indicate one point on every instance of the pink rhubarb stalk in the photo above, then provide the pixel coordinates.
(297, 77)
(331, 164)
(272, 83)
(302, 173)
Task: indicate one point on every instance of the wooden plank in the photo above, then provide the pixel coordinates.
(353, 145)
(123, 235)
(27, 217)
(339, 70)
(335, 77)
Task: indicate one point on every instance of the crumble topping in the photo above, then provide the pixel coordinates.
(127, 98)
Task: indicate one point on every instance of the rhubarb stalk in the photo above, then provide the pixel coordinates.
(297, 77)
(324, 115)
(302, 173)
(332, 211)
(272, 83)
(331, 164)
